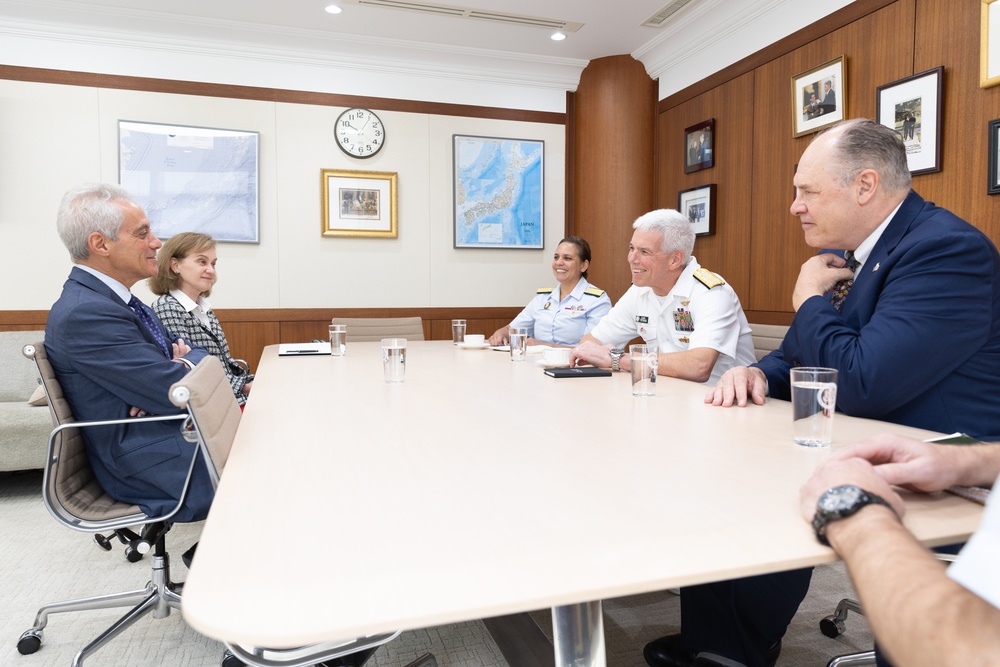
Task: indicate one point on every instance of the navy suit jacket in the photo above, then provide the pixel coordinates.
(918, 341)
(106, 362)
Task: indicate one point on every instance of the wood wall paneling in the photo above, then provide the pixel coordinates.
(777, 249)
(250, 330)
(614, 111)
(731, 104)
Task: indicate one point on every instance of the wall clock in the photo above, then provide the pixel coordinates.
(360, 133)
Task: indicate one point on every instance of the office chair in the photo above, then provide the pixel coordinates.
(834, 625)
(360, 329)
(213, 416)
(75, 498)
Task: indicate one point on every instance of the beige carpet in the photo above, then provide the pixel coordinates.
(44, 562)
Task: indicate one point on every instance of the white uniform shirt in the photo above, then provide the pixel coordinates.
(564, 322)
(976, 568)
(690, 315)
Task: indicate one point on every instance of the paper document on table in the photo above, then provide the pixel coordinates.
(976, 494)
(301, 349)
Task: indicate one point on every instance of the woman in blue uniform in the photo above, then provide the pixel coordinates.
(559, 316)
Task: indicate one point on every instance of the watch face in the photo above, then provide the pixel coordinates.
(839, 498)
(360, 133)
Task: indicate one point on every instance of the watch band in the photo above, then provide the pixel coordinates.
(616, 355)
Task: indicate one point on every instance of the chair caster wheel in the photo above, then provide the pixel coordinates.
(230, 660)
(132, 555)
(103, 542)
(832, 627)
(29, 642)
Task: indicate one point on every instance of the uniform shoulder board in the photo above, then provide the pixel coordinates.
(544, 290)
(594, 291)
(708, 279)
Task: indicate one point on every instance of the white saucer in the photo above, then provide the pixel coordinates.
(546, 364)
(501, 348)
(470, 346)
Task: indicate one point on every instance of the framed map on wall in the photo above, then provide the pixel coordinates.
(192, 179)
(498, 192)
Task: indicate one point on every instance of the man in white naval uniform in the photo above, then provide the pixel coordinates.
(689, 313)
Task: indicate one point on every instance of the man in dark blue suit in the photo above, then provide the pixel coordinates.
(916, 341)
(115, 361)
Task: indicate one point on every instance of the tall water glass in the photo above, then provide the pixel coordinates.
(338, 339)
(518, 343)
(457, 331)
(814, 399)
(644, 361)
(394, 359)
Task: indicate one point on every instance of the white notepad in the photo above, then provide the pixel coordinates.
(301, 349)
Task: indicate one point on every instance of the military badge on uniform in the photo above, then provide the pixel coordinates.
(547, 304)
(683, 320)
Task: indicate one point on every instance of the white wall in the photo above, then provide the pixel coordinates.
(53, 137)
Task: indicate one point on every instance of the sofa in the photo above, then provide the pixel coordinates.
(24, 428)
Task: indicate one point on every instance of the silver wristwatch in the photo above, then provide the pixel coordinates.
(616, 354)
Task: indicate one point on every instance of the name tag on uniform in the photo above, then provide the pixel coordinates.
(642, 319)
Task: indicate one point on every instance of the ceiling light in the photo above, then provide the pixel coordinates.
(558, 36)
(333, 9)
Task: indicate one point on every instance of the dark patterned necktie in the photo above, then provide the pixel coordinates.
(151, 323)
(842, 287)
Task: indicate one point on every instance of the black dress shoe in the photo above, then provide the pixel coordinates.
(770, 658)
(188, 555)
(667, 652)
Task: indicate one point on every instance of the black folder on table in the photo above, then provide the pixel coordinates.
(578, 372)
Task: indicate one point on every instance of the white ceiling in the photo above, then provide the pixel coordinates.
(701, 37)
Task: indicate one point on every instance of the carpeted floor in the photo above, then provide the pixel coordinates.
(44, 562)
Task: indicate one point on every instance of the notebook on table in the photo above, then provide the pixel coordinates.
(303, 349)
(578, 372)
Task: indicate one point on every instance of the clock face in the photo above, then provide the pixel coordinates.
(360, 133)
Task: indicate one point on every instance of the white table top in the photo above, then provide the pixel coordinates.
(482, 487)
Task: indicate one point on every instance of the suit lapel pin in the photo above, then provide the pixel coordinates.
(875, 268)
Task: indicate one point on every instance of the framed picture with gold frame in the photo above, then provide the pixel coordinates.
(819, 97)
(989, 44)
(359, 203)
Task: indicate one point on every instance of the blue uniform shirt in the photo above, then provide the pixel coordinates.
(564, 323)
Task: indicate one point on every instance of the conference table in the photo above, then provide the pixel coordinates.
(482, 487)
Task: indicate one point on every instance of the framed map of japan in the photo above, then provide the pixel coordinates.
(499, 193)
(192, 179)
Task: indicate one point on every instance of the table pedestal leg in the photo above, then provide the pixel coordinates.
(578, 635)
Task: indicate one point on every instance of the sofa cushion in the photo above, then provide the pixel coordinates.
(18, 377)
(38, 397)
(24, 436)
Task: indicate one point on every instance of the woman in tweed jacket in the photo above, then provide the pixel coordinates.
(184, 279)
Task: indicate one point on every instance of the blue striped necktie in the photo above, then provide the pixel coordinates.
(842, 287)
(152, 324)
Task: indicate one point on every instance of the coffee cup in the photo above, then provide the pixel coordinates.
(474, 340)
(557, 356)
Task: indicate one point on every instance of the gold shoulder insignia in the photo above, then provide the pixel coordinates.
(544, 290)
(594, 291)
(708, 279)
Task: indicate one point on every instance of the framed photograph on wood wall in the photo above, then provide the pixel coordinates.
(989, 44)
(699, 142)
(359, 203)
(993, 186)
(819, 97)
(698, 204)
(912, 107)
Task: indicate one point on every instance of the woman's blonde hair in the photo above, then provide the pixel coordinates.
(177, 247)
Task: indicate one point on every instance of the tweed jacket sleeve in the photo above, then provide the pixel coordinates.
(182, 324)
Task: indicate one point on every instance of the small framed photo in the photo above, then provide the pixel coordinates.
(698, 204)
(818, 97)
(359, 203)
(699, 142)
(993, 187)
(912, 107)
